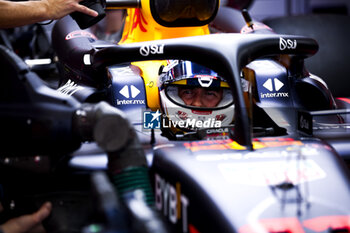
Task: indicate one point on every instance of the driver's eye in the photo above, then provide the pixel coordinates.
(187, 91)
(212, 93)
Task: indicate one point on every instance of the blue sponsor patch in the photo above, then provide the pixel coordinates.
(151, 120)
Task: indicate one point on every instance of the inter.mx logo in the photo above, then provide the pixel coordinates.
(133, 91)
(151, 120)
(268, 84)
(273, 85)
(130, 92)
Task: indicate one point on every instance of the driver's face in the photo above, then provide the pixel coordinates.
(201, 97)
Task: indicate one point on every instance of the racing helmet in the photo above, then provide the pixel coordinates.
(195, 95)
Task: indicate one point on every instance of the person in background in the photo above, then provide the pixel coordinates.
(15, 14)
(111, 27)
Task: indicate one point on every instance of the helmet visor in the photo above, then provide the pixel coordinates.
(191, 74)
(198, 97)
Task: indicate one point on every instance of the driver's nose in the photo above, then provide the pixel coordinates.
(197, 101)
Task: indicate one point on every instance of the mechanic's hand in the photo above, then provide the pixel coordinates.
(56, 9)
(27, 223)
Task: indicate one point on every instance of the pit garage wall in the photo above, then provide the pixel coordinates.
(263, 9)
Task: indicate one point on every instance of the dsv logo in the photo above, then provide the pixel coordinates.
(151, 49)
(303, 123)
(287, 44)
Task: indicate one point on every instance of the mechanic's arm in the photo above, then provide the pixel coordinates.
(14, 14)
(27, 223)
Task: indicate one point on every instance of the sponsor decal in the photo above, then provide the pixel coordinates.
(305, 122)
(126, 102)
(80, 33)
(182, 115)
(220, 117)
(151, 120)
(69, 88)
(268, 84)
(216, 134)
(126, 93)
(146, 50)
(171, 202)
(273, 85)
(230, 144)
(218, 130)
(262, 173)
(274, 95)
(130, 92)
(287, 44)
